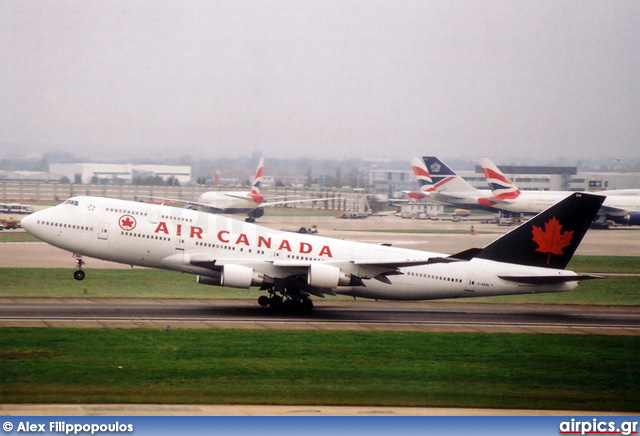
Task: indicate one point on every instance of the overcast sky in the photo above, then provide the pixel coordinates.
(509, 80)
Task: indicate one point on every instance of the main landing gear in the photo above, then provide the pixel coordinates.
(287, 304)
(78, 274)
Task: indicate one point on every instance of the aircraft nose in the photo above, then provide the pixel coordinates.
(28, 222)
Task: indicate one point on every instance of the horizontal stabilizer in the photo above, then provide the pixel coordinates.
(549, 280)
(466, 254)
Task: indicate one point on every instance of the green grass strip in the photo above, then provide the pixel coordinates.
(17, 236)
(605, 264)
(111, 283)
(320, 368)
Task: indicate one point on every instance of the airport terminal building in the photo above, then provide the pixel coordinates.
(119, 173)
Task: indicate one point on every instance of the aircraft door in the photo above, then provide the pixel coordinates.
(103, 233)
(180, 243)
(154, 214)
(470, 286)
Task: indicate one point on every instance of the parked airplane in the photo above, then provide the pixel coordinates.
(440, 184)
(423, 178)
(291, 266)
(619, 207)
(238, 202)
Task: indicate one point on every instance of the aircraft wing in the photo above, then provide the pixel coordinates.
(448, 198)
(175, 200)
(227, 194)
(280, 202)
(363, 269)
(609, 210)
(244, 197)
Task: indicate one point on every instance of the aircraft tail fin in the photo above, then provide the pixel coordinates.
(550, 238)
(445, 179)
(422, 176)
(256, 187)
(501, 187)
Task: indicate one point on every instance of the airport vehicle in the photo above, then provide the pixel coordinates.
(15, 208)
(291, 267)
(620, 207)
(238, 202)
(461, 212)
(10, 223)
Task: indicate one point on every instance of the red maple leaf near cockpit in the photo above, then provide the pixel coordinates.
(127, 222)
(552, 239)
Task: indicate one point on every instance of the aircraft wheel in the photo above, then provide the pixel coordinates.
(78, 274)
(275, 302)
(307, 305)
(289, 306)
(263, 300)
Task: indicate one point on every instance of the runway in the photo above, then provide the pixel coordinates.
(334, 315)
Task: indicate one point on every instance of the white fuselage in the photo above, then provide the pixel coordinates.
(229, 202)
(532, 202)
(184, 240)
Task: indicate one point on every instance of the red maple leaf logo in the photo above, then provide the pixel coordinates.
(552, 239)
(127, 222)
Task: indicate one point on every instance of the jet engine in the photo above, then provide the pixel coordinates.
(632, 219)
(327, 276)
(256, 213)
(206, 280)
(238, 276)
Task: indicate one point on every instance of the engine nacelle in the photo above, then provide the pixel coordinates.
(632, 219)
(206, 280)
(327, 276)
(256, 213)
(238, 276)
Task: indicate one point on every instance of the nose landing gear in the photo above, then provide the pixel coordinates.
(78, 274)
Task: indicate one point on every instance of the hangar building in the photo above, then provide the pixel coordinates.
(119, 173)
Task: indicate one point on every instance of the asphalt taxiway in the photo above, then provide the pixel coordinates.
(328, 315)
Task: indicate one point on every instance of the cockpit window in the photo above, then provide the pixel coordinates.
(71, 202)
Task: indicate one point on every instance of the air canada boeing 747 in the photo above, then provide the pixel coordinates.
(291, 267)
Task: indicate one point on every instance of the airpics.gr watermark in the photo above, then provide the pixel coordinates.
(574, 426)
(62, 427)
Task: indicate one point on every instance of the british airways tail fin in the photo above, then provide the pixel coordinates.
(423, 178)
(445, 179)
(550, 238)
(501, 187)
(256, 187)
